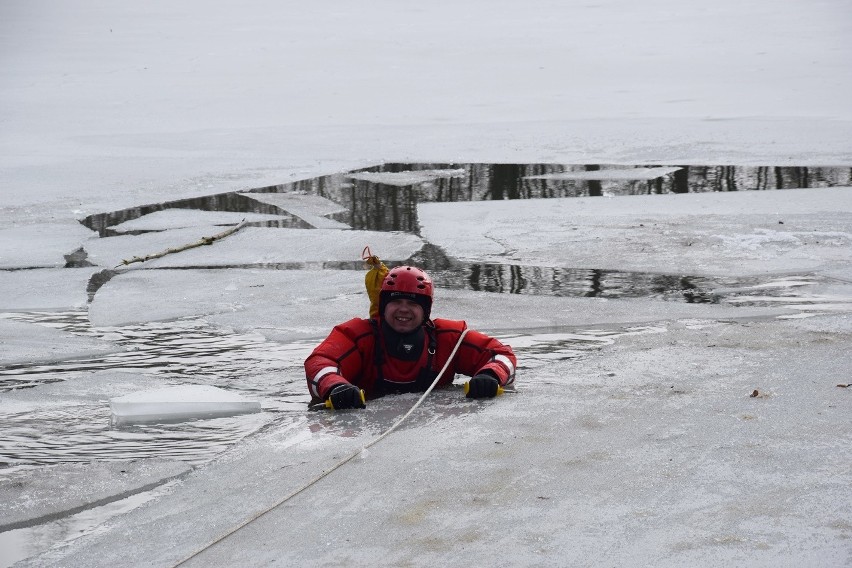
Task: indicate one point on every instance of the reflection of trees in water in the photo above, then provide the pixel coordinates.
(505, 182)
(376, 206)
(595, 185)
(496, 278)
(568, 282)
(739, 178)
(680, 181)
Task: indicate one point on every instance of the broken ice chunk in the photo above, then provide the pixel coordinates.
(176, 404)
(406, 178)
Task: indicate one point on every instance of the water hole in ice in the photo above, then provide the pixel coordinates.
(189, 351)
(184, 351)
(379, 198)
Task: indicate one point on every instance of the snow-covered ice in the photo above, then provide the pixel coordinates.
(249, 246)
(45, 289)
(31, 497)
(284, 300)
(177, 219)
(40, 245)
(738, 233)
(312, 209)
(633, 438)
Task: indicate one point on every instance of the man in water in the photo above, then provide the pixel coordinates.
(402, 350)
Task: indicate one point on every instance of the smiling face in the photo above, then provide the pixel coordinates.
(403, 315)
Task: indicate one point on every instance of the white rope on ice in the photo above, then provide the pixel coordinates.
(335, 467)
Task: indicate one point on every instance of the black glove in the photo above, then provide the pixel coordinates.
(346, 396)
(482, 386)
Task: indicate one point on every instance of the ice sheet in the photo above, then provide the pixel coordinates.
(111, 252)
(402, 179)
(310, 208)
(29, 497)
(41, 244)
(179, 403)
(299, 302)
(27, 343)
(721, 233)
(251, 246)
(676, 408)
(183, 218)
(44, 289)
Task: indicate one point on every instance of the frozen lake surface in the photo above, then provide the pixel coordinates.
(202, 321)
(650, 202)
(179, 346)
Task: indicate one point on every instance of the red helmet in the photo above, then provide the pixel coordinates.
(407, 282)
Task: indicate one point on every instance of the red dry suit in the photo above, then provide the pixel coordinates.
(355, 352)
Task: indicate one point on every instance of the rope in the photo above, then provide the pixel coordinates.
(335, 467)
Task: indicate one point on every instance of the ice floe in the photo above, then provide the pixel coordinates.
(402, 179)
(44, 289)
(41, 245)
(313, 209)
(295, 302)
(251, 246)
(183, 218)
(26, 343)
(178, 403)
(736, 233)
